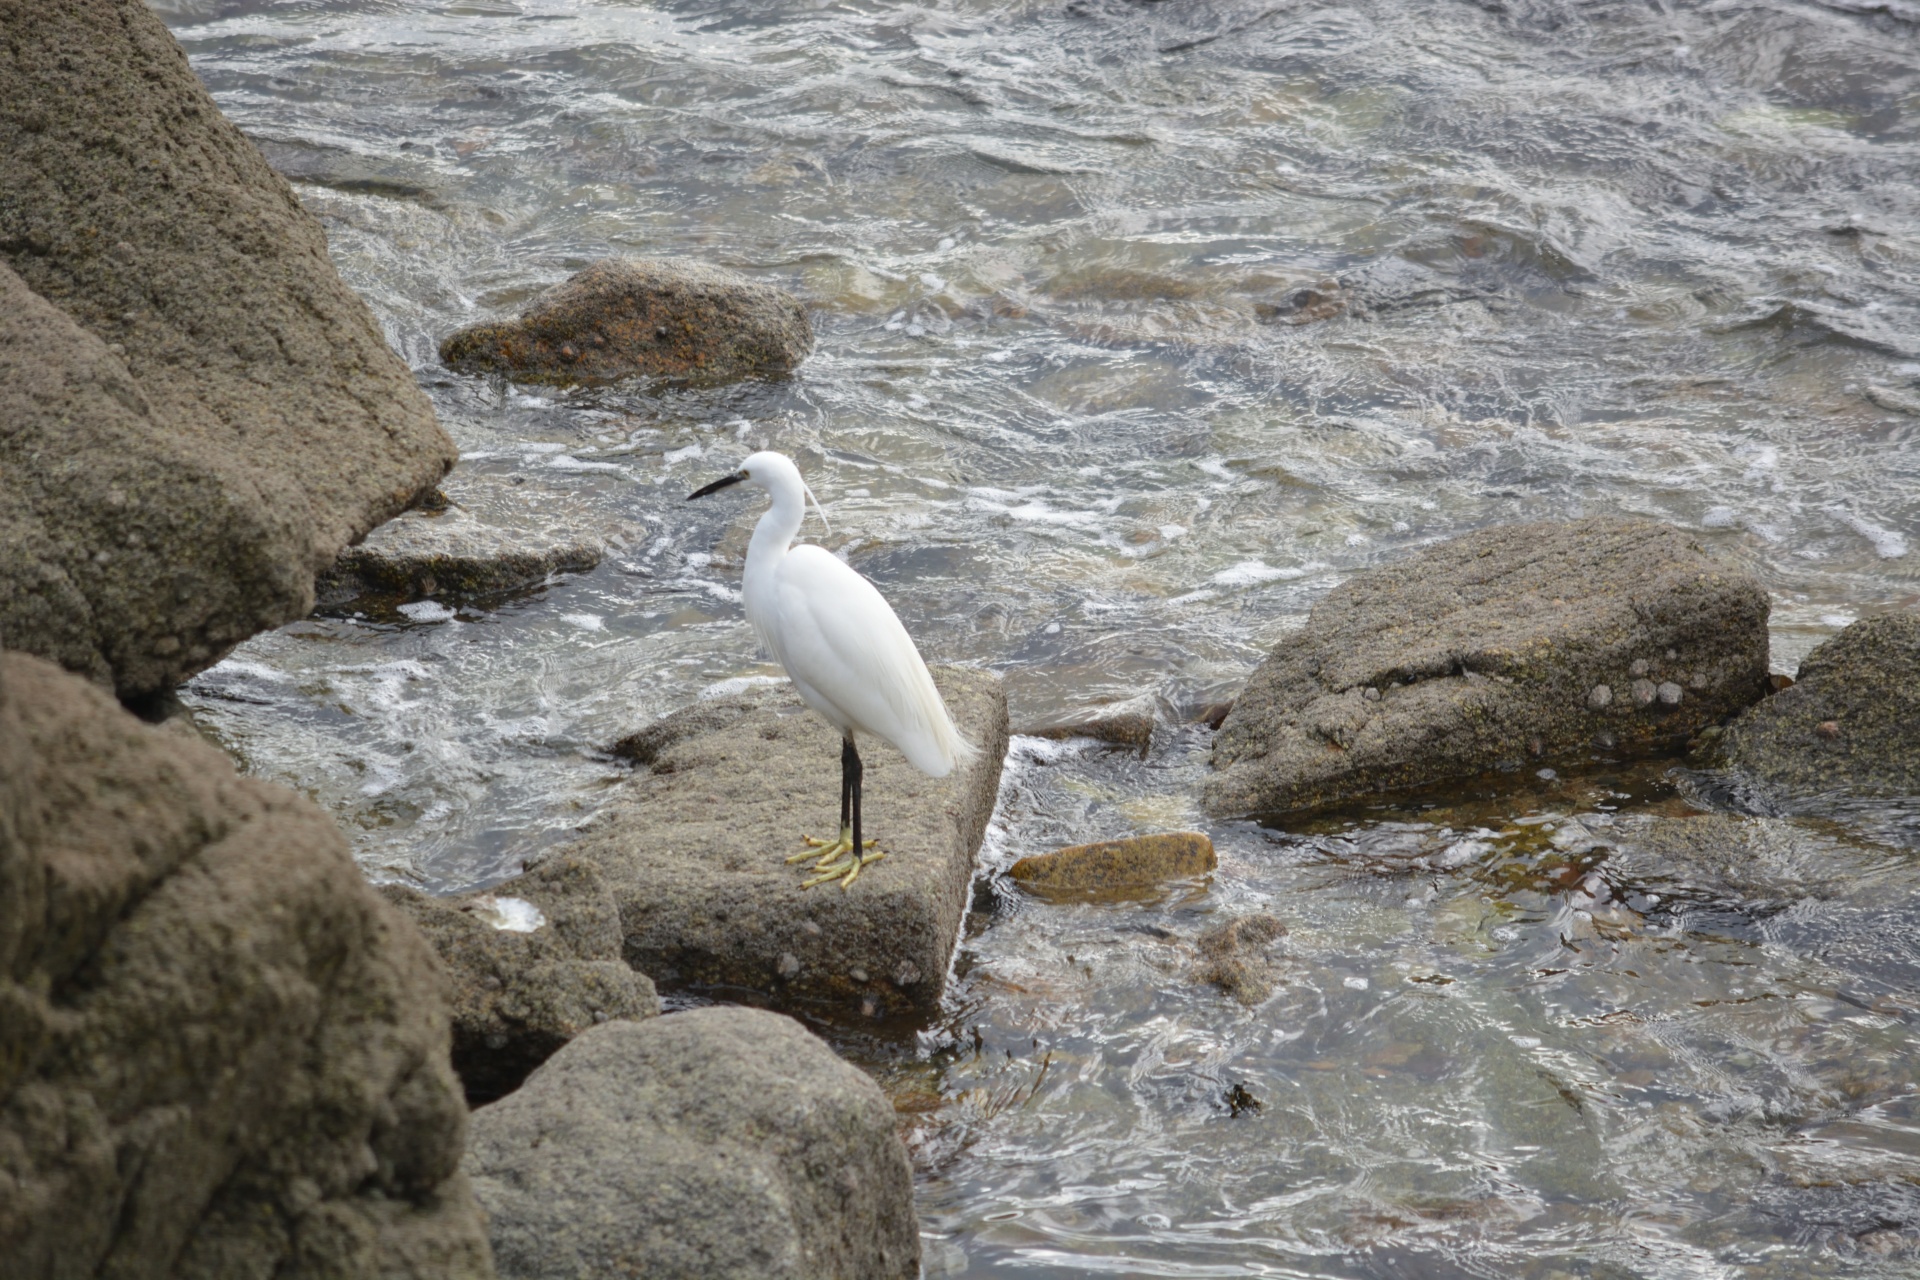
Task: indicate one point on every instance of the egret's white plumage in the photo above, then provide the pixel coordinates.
(849, 657)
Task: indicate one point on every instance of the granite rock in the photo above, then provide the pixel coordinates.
(221, 1054)
(1849, 724)
(535, 961)
(715, 1144)
(199, 414)
(1489, 652)
(694, 848)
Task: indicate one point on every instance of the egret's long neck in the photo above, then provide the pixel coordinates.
(776, 530)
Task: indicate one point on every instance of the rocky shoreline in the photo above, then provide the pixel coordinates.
(224, 1052)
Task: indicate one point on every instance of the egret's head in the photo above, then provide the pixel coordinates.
(771, 471)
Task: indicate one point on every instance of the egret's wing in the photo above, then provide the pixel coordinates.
(838, 638)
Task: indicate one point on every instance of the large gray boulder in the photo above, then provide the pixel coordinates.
(534, 963)
(714, 1144)
(694, 848)
(220, 1053)
(635, 317)
(196, 413)
(1519, 645)
(1850, 724)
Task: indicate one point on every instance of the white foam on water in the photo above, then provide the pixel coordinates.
(738, 684)
(427, 611)
(584, 621)
(509, 915)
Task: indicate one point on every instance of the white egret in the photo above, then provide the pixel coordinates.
(846, 652)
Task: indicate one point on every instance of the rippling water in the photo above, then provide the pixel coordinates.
(1141, 325)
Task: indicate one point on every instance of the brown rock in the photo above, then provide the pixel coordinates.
(1116, 864)
(199, 414)
(633, 318)
(1234, 955)
(520, 994)
(220, 1053)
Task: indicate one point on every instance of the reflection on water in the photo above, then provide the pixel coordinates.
(1140, 326)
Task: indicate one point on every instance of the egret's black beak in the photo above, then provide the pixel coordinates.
(717, 485)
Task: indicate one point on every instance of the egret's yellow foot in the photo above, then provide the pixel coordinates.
(844, 870)
(825, 850)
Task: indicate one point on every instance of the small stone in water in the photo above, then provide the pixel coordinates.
(1371, 695)
(1671, 693)
(1698, 680)
(1644, 692)
(1600, 698)
(789, 966)
(1828, 728)
(1547, 775)
(858, 975)
(1639, 667)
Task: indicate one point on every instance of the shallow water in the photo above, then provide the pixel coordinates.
(1072, 409)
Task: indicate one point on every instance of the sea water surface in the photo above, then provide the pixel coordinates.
(1141, 325)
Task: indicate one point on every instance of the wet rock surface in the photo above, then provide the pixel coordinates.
(220, 1053)
(710, 1144)
(488, 538)
(535, 962)
(200, 414)
(1128, 723)
(1236, 956)
(1108, 865)
(1509, 647)
(1849, 724)
(634, 318)
(1739, 860)
(694, 847)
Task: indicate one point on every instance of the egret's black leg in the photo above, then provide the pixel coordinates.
(849, 767)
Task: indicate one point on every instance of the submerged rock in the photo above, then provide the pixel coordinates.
(694, 851)
(635, 318)
(1491, 652)
(490, 537)
(535, 962)
(199, 413)
(1128, 723)
(1745, 861)
(716, 1144)
(221, 1053)
(1235, 955)
(1116, 864)
(1849, 724)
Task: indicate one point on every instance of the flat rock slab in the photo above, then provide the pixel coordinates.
(716, 1144)
(694, 852)
(490, 537)
(635, 318)
(1849, 724)
(1511, 647)
(1083, 869)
